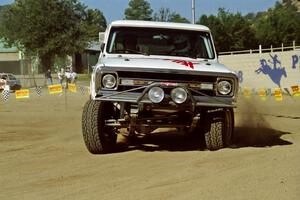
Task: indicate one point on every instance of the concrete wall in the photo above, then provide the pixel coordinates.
(266, 70)
(7, 56)
(10, 67)
(10, 63)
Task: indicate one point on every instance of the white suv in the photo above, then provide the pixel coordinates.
(10, 81)
(156, 74)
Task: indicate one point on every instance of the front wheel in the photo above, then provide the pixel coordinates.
(98, 137)
(220, 132)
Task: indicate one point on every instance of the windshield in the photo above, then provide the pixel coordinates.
(11, 77)
(168, 42)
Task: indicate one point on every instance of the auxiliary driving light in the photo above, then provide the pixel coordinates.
(179, 95)
(156, 94)
(224, 87)
(109, 81)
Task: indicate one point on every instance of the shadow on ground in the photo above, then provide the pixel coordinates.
(251, 130)
(163, 141)
(258, 137)
(177, 141)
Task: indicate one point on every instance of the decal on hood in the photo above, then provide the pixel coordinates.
(183, 62)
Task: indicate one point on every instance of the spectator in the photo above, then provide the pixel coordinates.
(73, 76)
(68, 75)
(61, 76)
(48, 77)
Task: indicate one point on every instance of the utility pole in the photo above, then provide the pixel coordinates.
(193, 11)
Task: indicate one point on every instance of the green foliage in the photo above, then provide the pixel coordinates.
(165, 15)
(60, 62)
(176, 17)
(2, 8)
(138, 10)
(95, 23)
(56, 28)
(230, 31)
(50, 27)
(280, 24)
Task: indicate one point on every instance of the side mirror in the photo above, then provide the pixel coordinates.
(101, 37)
(102, 45)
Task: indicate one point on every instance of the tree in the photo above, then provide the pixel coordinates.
(2, 8)
(165, 15)
(138, 10)
(46, 28)
(176, 17)
(95, 23)
(231, 31)
(280, 24)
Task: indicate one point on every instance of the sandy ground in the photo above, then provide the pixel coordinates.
(43, 156)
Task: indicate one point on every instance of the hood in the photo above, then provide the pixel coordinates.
(164, 64)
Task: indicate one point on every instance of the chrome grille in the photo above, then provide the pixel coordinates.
(131, 80)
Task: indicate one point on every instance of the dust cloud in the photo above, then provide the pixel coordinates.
(252, 128)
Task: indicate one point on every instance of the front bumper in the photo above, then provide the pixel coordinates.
(130, 96)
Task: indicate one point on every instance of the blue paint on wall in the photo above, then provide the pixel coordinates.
(240, 76)
(295, 61)
(275, 72)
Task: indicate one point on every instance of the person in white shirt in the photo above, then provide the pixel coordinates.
(68, 75)
(61, 76)
(73, 77)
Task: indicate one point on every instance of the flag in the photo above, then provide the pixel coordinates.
(22, 94)
(295, 91)
(247, 92)
(262, 93)
(72, 87)
(269, 92)
(82, 90)
(38, 90)
(278, 94)
(5, 95)
(55, 89)
(287, 91)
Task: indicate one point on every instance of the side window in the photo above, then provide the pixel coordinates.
(209, 47)
(4, 77)
(113, 46)
(201, 48)
(11, 77)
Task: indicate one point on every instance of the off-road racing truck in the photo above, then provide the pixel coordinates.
(158, 75)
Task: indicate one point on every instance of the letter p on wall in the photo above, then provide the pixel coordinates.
(295, 60)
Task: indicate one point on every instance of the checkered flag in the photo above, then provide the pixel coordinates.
(288, 92)
(38, 90)
(5, 95)
(269, 91)
(82, 90)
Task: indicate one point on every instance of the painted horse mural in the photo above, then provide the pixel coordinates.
(275, 72)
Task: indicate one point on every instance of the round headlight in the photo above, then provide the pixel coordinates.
(224, 87)
(109, 81)
(179, 95)
(156, 94)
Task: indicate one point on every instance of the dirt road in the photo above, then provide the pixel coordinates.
(43, 156)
